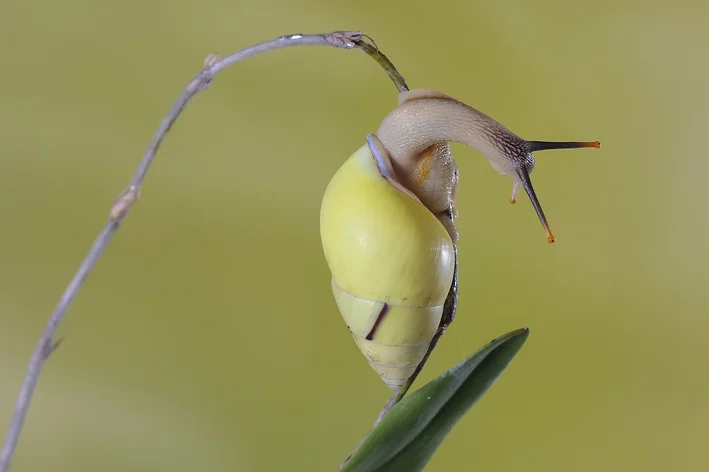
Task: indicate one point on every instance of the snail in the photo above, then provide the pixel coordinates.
(387, 224)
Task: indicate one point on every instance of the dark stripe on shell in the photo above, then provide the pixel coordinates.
(377, 322)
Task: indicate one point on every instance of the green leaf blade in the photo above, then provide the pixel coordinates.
(410, 433)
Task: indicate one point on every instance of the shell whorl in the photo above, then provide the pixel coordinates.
(393, 338)
(392, 264)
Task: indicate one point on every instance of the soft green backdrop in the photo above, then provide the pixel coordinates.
(207, 337)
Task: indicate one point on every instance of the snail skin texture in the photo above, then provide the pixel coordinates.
(387, 223)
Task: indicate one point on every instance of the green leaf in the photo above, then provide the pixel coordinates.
(411, 432)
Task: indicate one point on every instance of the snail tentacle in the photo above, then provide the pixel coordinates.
(426, 118)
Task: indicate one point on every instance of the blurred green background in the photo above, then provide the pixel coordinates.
(207, 337)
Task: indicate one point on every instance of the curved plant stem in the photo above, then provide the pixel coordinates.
(120, 208)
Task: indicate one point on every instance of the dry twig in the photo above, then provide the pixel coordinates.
(120, 208)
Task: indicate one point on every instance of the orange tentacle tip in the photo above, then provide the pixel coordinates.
(589, 144)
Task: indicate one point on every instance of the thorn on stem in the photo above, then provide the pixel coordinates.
(211, 59)
(124, 202)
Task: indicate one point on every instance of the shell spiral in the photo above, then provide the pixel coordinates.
(392, 263)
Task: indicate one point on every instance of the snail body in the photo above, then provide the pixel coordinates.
(387, 225)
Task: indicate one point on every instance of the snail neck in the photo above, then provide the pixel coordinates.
(425, 118)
